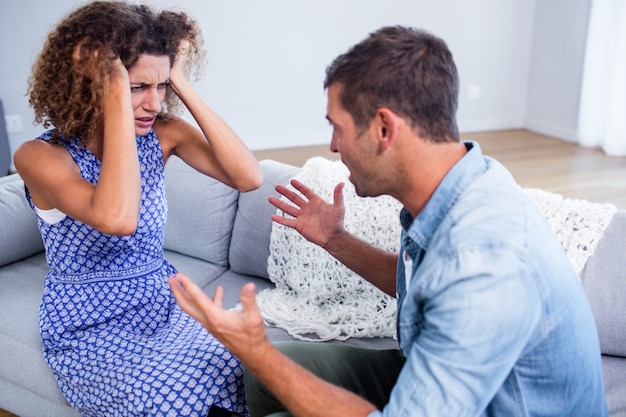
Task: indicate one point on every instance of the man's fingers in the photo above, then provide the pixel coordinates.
(186, 284)
(284, 206)
(218, 297)
(189, 296)
(309, 194)
(291, 195)
(285, 221)
(248, 294)
(247, 297)
(306, 191)
(338, 194)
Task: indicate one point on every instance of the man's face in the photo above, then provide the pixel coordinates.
(357, 152)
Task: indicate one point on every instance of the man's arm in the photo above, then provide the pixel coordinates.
(243, 333)
(322, 223)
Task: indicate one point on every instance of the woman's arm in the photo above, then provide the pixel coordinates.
(54, 180)
(215, 149)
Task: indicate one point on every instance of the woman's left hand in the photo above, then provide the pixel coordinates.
(178, 72)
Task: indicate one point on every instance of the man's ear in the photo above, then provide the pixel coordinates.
(386, 125)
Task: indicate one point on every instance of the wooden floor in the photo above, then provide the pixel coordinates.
(534, 160)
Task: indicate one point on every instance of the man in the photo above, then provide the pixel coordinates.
(492, 320)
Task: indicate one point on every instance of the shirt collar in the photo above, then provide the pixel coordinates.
(461, 175)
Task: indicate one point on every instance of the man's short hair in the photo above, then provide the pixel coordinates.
(407, 70)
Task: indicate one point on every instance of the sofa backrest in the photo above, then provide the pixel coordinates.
(216, 223)
(250, 244)
(201, 213)
(5, 151)
(20, 236)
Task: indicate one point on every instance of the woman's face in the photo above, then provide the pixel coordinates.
(149, 78)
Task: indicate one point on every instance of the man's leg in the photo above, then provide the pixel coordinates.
(367, 372)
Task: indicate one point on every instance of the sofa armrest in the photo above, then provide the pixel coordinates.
(604, 281)
(20, 236)
(249, 246)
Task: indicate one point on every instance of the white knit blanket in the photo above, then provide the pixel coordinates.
(578, 224)
(317, 298)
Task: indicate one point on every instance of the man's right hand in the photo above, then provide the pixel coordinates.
(322, 224)
(316, 220)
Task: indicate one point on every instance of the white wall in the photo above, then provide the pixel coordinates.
(557, 60)
(267, 58)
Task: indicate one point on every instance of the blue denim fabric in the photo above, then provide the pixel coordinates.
(491, 318)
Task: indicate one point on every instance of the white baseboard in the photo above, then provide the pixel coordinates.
(488, 125)
(323, 138)
(276, 142)
(558, 132)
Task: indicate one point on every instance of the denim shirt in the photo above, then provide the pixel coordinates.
(492, 319)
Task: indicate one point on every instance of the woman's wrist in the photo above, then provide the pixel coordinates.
(179, 84)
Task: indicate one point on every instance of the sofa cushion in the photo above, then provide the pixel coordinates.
(613, 370)
(201, 272)
(253, 224)
(22, 362)
(20, 234)
(604, 281)
(201, 213)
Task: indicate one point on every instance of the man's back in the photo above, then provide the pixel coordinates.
(494, 317)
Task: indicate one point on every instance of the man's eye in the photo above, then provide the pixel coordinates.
(162, 86)
(136, 89)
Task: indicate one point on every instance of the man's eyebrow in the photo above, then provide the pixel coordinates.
(329, 120)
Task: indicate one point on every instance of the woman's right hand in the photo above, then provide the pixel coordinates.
(112, 204)
(88, 67)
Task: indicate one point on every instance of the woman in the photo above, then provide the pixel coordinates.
(108, 78)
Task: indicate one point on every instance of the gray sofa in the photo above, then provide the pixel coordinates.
(218, 236)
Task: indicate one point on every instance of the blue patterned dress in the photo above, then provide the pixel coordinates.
(112, 332)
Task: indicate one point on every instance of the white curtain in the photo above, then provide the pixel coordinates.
(602, 113)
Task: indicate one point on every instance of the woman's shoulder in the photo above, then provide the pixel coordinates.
(40, 146)
(37, 157)
(169, 125)
(170, 132)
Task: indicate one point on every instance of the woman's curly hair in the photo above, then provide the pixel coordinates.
(64, 98)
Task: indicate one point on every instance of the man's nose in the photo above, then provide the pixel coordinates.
(333, 145)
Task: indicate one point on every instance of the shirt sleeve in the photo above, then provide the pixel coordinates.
(463, 324)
